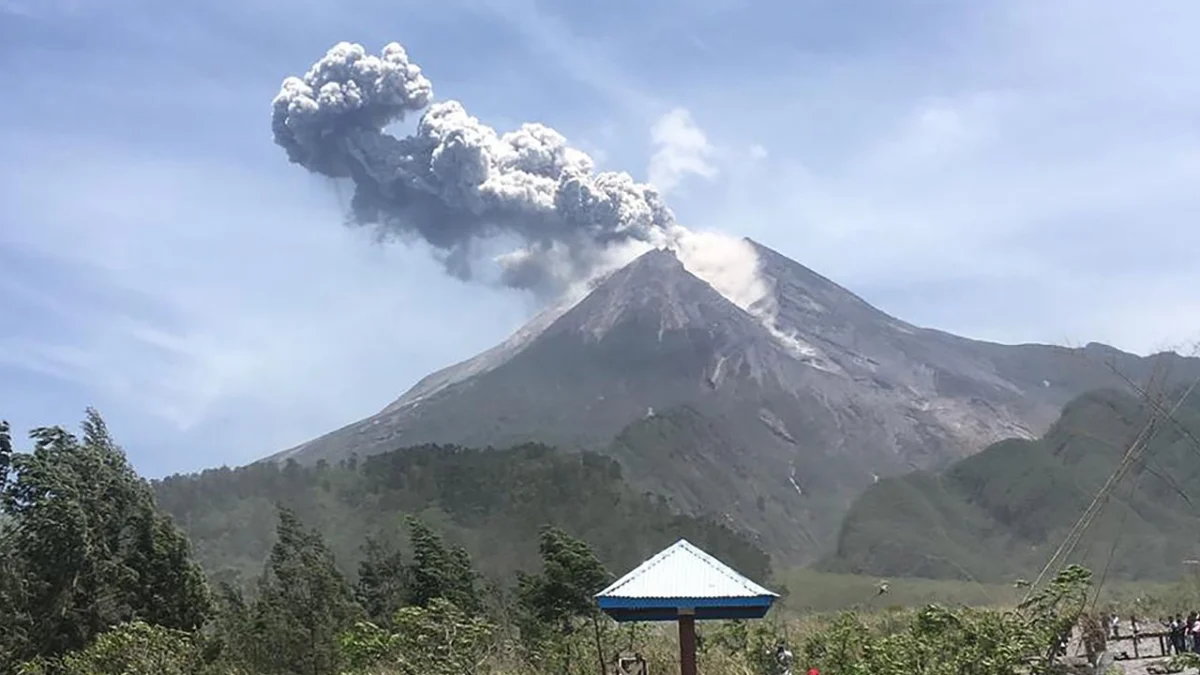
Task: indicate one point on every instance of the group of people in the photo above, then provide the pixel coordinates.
(1183, 633)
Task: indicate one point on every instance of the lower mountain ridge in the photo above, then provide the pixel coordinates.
(492, 502)
(1004, 511)
(773, 417)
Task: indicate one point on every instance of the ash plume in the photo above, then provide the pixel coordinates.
(456, 183)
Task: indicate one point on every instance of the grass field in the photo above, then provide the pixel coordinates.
(810, 591)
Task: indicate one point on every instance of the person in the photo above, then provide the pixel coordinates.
(1195, 634)
(1176, 634)
(1116, 626)
(1186, 638)
(783, 656)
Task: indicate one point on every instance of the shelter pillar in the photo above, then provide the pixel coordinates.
(687, 642)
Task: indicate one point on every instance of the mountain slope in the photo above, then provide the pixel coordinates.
(492, 502)
(776, 417)
(1001, 513)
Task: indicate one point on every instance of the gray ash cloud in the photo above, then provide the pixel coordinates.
(456, 182)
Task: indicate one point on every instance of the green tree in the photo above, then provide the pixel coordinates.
(303, 603)
(381, 585)
(439, 571)
(13, 621)
(91, 549)
(6, 451)
(235, 633)
(571, 575)
(14, 618)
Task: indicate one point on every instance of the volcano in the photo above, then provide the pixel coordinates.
(773, 417)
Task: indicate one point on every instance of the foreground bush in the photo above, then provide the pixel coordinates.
(440, 639)
(131, 649)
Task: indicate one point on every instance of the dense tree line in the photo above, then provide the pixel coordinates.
(490, 501)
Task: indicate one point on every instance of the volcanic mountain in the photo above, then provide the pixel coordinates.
(774, 417)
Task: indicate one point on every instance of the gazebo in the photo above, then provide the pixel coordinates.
(683, 583)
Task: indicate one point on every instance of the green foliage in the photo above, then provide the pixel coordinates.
(941, 641)
(437, 639)
(571, 575)
(134, 648)
(1000, 513)
(1052, 611)
(381, 587)
(491, 502)
(551, 604)
(439, 571)
(6, 451)
(751, 642)
(364, 646)
(84, 548)
(303, 604)
(936, 641)
(1185, 661)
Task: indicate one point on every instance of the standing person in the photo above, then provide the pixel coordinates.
(1116, 625)
(1195, 633)
(1185, 630)
(1176, 633)
(783, 657)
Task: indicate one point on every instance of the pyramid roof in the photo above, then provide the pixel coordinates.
(683, 578)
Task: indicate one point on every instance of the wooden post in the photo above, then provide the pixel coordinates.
(687, 642)
(599, 649)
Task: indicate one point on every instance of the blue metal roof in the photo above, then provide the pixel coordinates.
(684, 579)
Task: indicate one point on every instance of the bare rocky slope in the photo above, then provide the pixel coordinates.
(777, 430)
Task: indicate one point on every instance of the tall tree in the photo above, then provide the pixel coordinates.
(439, 571)
(14, 619)
(303, 603)
(571, 575)
(90, 545)
(381, 582)
(6, 450)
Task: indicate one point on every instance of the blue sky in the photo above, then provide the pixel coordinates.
(1013, 170)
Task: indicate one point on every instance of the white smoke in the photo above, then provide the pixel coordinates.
(456, 182)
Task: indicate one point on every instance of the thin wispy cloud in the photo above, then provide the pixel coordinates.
(680, 150)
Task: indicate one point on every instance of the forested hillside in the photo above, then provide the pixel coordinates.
(492, 502)
(1002, 513)
(96, 580)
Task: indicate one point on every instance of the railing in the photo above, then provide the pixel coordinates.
(1163, 637)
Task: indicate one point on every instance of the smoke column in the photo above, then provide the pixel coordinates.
(456, 182)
